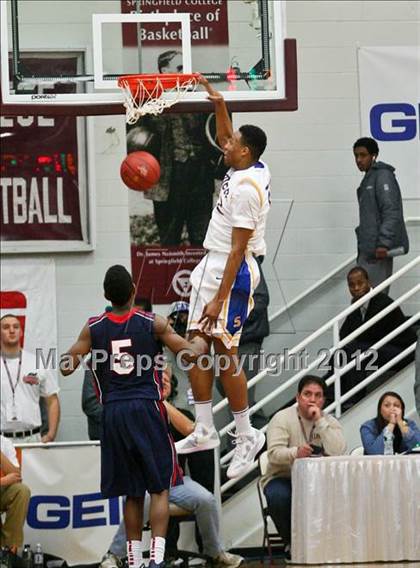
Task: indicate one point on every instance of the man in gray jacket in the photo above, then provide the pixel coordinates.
(381, 233)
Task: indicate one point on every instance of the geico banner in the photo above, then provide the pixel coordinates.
(67, 514)
(390, 109)
(27, 290)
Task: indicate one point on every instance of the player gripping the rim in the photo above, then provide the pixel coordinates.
(224, 281)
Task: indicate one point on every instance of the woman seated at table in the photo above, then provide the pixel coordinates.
(390, 417)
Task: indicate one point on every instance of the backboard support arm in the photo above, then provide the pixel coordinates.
(15, 43)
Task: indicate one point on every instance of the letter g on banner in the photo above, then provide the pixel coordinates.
(59, 512)
(398, 128)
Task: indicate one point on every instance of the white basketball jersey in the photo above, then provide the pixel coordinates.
(244, 201)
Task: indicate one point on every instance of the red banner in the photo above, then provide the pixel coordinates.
(163, 274)
(14, 303)
(39, 181)
(209, 22)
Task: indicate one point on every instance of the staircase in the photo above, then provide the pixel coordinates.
(242, 522)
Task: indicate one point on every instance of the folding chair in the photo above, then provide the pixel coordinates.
(271, 540)
(182, 515)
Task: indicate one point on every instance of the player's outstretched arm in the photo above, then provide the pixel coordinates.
(168, 336)
(224, 128)
(71, 360)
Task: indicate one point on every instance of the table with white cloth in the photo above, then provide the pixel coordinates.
(356, 509)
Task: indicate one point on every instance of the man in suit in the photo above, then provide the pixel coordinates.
(359, 285)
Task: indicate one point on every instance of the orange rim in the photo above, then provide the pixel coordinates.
(155, 81)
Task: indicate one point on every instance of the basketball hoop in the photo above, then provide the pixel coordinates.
(143, 93)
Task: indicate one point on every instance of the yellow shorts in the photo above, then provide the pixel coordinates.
(205, 281)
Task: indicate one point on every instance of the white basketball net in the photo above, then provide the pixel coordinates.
(153, 101)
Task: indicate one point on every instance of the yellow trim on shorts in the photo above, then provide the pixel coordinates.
(256, 186)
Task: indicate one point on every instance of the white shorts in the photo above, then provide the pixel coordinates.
(206, 279)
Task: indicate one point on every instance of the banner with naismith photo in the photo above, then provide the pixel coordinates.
(169, 221)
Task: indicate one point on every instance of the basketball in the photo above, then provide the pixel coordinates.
(140, 171)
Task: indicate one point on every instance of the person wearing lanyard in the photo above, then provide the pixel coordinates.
(296, 432)
(22, 385)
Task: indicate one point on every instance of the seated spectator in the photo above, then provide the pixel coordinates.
(178, 318)
(143, 304)
(390, 417)
(14, 497)
(200, 464)
(359, 285)
(417, 375)
(294, 433)
(190, 496)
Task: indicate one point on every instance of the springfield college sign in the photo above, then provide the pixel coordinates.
(209, 23)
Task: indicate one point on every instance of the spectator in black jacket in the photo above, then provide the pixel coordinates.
(417, 376)
(90, 407)
(359, 285)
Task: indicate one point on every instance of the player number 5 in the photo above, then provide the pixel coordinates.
(122, 362)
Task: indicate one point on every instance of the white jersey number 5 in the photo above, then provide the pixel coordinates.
(122, 362)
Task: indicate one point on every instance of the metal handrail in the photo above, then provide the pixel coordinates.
(326, 278)
(410, 349)
(408, 323)
(48, 445)
(336, 319)
(336, 377)
(312, 288)
(345, 397)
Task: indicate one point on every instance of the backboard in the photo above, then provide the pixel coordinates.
(239, 45)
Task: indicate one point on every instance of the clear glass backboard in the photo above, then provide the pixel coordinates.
(239, 45)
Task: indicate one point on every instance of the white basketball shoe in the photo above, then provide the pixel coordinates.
(247, 447)
(203, 438)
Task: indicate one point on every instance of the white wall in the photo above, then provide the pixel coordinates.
(311, 160)
(80, 275)
(310, 155)
(310, 150)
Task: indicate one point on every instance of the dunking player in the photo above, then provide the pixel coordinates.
(224, 281)
(137, 452)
